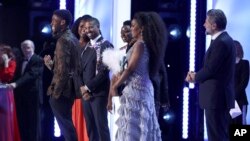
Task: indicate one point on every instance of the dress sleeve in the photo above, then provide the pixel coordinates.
(8, 73)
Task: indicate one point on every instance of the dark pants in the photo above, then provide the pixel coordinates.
(95, 113)
(29, 120)
(62, 109)
(217, 122)
(238, 120)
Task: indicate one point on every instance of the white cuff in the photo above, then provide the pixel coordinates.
(86, 87)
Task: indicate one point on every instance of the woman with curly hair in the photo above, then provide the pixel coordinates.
(138, 120)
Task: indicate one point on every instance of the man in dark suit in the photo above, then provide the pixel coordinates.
(28, 92)
(95, 88)
(65, 66)
(216, 77)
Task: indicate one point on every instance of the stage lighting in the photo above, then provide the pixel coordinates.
(175, 32)
(168, 115)
(46, 29)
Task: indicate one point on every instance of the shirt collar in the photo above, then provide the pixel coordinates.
(216, 35)
(92, 42)
(29, 56)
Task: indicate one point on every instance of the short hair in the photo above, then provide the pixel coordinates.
(218, 17)
(95, 20)
(239, 49)
(84, 17)
(29, 43)
(127, 22)
(64, 14)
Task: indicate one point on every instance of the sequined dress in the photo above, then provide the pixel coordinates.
(137, 117)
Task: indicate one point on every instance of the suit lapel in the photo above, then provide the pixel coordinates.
(212, 45)
(86, 55)
(29, 63)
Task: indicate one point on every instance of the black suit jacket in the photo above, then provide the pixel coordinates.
(241, 82)
(29, 84)
(97, 81)
(28, 98)
(216, 77)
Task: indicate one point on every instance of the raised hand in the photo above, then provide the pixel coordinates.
(6, 60)
(48, 61)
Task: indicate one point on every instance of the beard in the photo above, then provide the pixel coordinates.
(55, 31)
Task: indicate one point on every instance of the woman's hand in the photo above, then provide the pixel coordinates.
(109, 105)
(114, 90)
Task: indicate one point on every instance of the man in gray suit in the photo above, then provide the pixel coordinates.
(216, 77)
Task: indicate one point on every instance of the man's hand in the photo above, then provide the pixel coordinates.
(48, 61)
(86, 96)
(83, 90)
(190, 77)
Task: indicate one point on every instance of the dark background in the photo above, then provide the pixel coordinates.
(23, 19)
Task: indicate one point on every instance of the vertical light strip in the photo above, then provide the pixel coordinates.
(62, 4)
(208, 38)
(57, 131)
(205, 129)
(185, 110)
(192, 38)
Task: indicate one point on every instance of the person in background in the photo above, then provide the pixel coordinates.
(127, 38)
(77, 109)
(28, 96)
(126, 35)
(216, 77)
(138, 120)
(7, 64)
(65, 64)
(160, 84)
(95, 79)
(47, 114)
(241, 82)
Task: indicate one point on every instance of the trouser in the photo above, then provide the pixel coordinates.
(62, 110)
